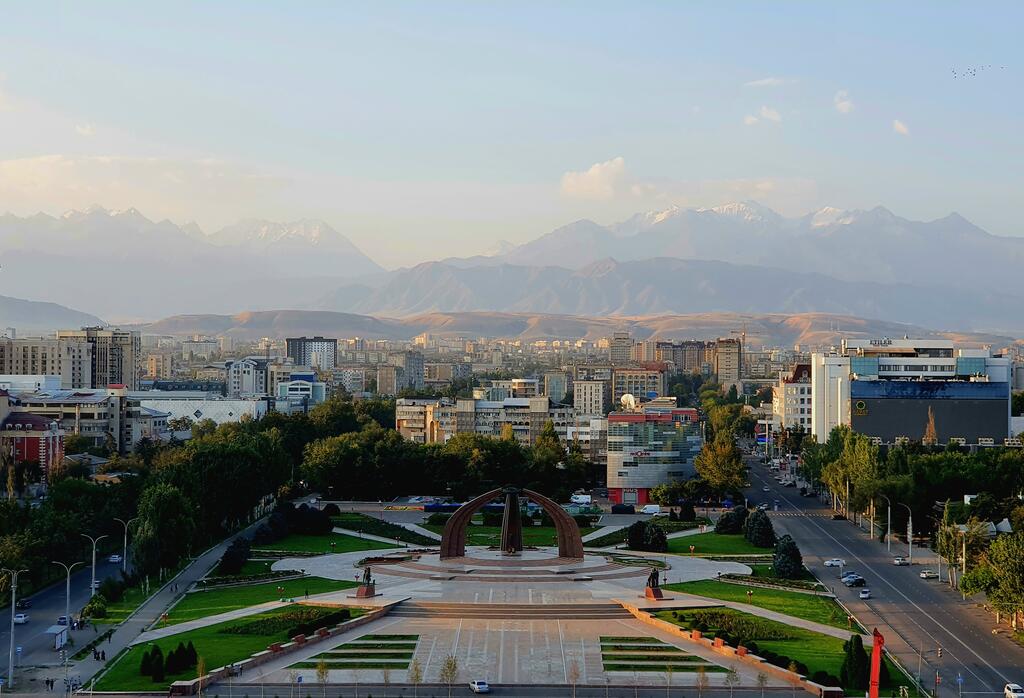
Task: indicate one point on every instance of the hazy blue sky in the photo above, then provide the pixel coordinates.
(428, 129)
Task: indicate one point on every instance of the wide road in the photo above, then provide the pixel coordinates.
(916, 616)
(47, 605)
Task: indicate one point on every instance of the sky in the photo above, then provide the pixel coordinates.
(432, 129)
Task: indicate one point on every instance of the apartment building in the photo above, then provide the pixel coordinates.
(620, 348)
(69, 358)
(319, 352)
(525, 416)
(159, 366)
(425, 420)
(116, 355)
(791, 398)
(642, 383)
(556, 385)
(729, 361)
(592, 398)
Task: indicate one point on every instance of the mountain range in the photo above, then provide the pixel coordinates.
(742, 257)
(120, 264)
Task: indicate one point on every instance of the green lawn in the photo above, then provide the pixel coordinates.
(252, 567)
(819, 652)
(130, 600)
(354, 521)
(541, 536)
(215, 648)
(300, 543)
(715, 544)
(820, 609)
(200, 604)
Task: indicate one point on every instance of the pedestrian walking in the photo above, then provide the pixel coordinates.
(103, 655)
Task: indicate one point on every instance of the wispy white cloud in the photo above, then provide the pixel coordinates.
(770, 114)
(749, 119)
(842, 102)
(900, 127)
(85, 130)
(769, 82)
(603, 180)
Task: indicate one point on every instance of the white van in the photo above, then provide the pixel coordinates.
(581, 499)
(652, 509)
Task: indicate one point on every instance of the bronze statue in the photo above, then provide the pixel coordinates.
(367, 577)
(652, 578)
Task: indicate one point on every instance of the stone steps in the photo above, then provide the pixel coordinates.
(488, 611)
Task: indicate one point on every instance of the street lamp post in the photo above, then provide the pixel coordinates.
(888, 523)
(10, 658)
(67, 588)
(910, 532)
(97, 539)
(124, 556)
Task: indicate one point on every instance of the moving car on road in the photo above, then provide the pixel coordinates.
(928, 574)
(20, 618)
(114, 558)
(766, 488)
(1013, 690)
(835, 562)
(23, 603)
(900, 561)
(479, 687)
(855, 581)
(864, 594)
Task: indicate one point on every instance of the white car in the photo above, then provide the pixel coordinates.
(766, 488)
(479, 687)
(928, 574)
(1013, 690)
(20, 618)
(900, 561)
(864, 594)
(835, 562)
(114, 558)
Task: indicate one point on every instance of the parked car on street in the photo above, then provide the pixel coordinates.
(114, 558)
(864, 594)
(62, 620)
(20, 618)
(23, 603)
(900, 561)
(855, 582)
(928, 574)
(479, 687)
(1013, 690)
(835, 562)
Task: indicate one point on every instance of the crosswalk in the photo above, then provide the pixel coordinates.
(815, 514)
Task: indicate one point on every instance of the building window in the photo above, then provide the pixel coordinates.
(623, 473)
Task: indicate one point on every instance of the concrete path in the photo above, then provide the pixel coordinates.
(416, 528)
(603, 531)
(368, 536)
(178, 628)
(690, 532)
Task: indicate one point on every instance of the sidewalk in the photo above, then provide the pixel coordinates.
(603, 531)
(149, 612)
(369, 536)
(416, 528)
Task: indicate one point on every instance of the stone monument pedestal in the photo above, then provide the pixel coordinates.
(653, 594)
(365, 591)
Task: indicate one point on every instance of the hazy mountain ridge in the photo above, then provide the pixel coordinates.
(41, 317)
(773, 329)
(887, 247)
(120, 263)
(664, 285)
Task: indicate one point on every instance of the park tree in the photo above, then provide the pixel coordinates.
(758, 530)
(787, 562)
(720, 464)
(856, 665)
(732, 521)
(449, 672)
(164, 530)
(1006, 559)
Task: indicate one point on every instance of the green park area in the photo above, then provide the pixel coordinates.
(200, 604)
(322, 544)
(715, 544)
(818, 609)
(355, 521)
(815, 655)
(215, 646)
(491, 535)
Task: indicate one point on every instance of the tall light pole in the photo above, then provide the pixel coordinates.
(124, 556)
(10, 657)
(67, 587)
(910, 532)
(97, 539)
(888, 523)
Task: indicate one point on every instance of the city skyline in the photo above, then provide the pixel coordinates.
(445, 130)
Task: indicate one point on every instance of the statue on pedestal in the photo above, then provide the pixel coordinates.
(653, 589)
(368, 587)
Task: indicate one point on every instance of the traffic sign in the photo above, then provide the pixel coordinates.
(960, 679)
(299, 678)
(18, 649)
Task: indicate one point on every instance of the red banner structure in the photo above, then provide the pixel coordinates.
(876, 662)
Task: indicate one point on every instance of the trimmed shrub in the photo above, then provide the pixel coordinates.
(438, 519)
(332, 509)
(788, 563)
(493, 518)
(234, 557)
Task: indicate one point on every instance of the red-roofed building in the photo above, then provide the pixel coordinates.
(30, 438)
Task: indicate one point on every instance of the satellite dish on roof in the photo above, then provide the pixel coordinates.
(628, 401)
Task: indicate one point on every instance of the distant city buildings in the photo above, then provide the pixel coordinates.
(116, 355)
